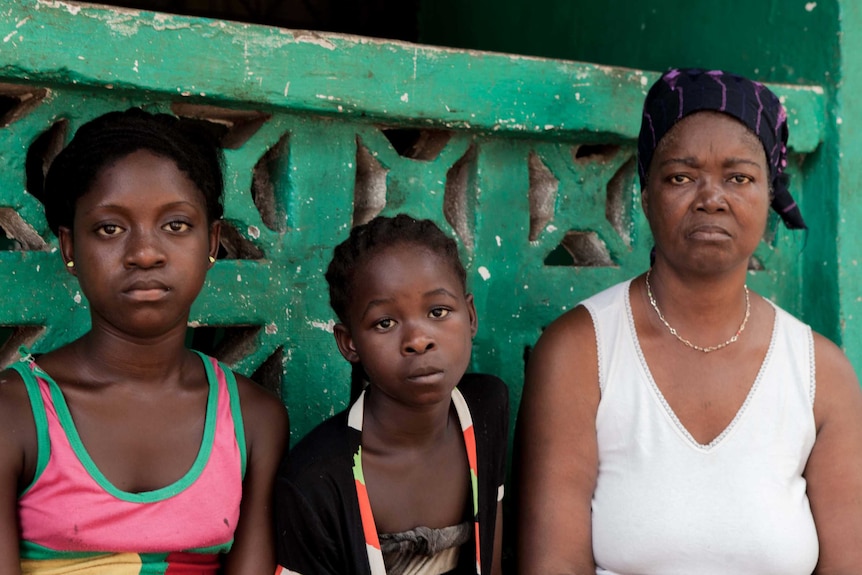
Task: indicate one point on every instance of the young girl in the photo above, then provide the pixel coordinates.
(123, 451)
(409, 479)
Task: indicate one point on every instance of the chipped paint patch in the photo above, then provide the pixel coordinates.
(312, 38)
(327, 326)
(70, 8)
(271, 329)
(168, 22)
(809, 6)
(253, 232)
(483, 271)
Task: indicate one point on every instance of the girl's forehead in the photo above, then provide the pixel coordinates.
(410, 251)
(415, 262)
(141, 176)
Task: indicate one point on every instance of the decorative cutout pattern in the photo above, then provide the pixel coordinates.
(267, 173)
(619, 205)
(25, 237)
(543, 195)
(415, 144)
(545, 214)
(584, 249)
(369, 197)
(18, 101)
(458, 200)
(234, 127)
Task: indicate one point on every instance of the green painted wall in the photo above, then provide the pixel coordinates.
(788, 41)
(511, 155)
(775, 40)
(846, 123)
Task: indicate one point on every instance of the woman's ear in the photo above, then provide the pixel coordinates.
(215, 234)
(67, 249)
(471, 312)
(344, 341)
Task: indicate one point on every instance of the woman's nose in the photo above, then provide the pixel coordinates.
(711, 196)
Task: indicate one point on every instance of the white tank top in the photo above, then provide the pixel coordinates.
(666, 505)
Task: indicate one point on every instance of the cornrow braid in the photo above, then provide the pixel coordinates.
(113, 136)
(380, 233)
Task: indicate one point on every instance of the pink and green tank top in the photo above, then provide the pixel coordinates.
(73, 520)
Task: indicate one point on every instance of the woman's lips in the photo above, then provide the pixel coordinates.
(709, 233)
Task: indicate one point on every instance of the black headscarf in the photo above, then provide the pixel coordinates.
(679, 93)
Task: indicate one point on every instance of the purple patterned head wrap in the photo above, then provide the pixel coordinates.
(679, 93)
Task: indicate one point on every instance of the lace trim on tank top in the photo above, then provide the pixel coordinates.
(423, 551)
(598, 333)
(742, 409)
(812, 385)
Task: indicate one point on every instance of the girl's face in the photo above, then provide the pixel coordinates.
(707, 198)
(141, 244)
(409, 324)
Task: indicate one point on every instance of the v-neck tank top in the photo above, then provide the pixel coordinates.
(72, 518)
(665, 504)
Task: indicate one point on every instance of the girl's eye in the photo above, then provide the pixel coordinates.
(438, 312)
(384, 323)
(177, 226)
(108, 230)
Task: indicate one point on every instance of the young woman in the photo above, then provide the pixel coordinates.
(409, 479)
(124, 451)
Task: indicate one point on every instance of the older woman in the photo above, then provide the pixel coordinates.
(676, 423)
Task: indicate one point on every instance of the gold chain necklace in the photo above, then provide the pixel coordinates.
(685, 341)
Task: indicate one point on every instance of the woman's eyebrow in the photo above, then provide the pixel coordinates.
(689, 161)
(729, 162)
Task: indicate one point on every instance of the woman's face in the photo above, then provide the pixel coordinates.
(141, 243)
(707, 195)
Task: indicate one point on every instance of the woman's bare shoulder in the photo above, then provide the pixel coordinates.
(572, 335)
(837, 387)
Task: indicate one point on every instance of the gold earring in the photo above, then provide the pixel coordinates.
(70, 264)
(212, 260)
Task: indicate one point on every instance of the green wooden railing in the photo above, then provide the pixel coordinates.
(527, 162)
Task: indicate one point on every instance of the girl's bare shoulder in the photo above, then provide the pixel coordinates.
(264, 415)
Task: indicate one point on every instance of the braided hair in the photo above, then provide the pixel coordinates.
(382, 232)
(113, 136)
